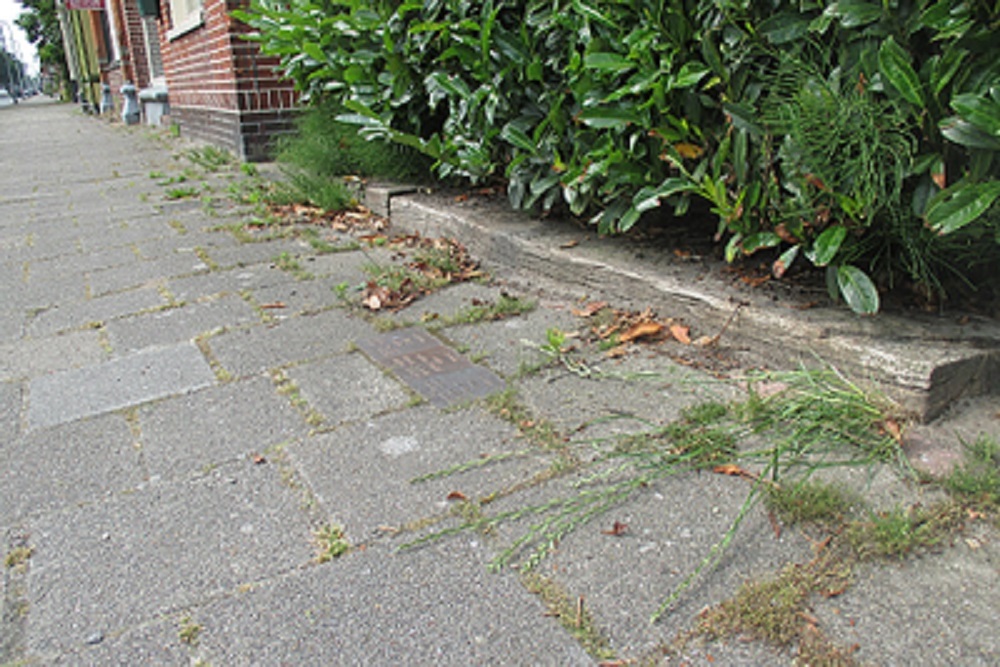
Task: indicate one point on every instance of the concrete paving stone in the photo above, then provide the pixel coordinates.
(187, 434)
(72, 315)
(255, 349)
(151, 644)
(124, 233)
(509, 345)
(249, 254)
(66, 466)
(447, 303)
(432, 607)
(173, 325)
(299, 296)
(57, 289)
(78, 263)
(107, 567)
(190, 288)
(10, 412)
(347, 388)
(185, 243)
(35, 356)
(137, 378)
(346, 266)
(140, 272)
(666, 529)
(12, 321)
(601, 406)
(939, 609)
(363, 474)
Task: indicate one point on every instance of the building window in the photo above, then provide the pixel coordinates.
(151, 36)
(186, 15)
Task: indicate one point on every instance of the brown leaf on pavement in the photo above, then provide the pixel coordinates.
(276, 305)
(617, 528)
(457, 495)
(681, 333)
(641, 330)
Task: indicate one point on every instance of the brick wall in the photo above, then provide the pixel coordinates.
(221, 89)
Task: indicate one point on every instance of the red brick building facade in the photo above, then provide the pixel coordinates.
(220, 88)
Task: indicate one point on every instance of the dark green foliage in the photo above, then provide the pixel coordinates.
(329, 148)
(860, 136)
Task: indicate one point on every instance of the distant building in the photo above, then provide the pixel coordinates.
(190, 64)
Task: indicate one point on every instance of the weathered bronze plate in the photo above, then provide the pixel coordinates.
(438, 373)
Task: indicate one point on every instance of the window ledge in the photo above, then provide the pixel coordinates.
(190, 23)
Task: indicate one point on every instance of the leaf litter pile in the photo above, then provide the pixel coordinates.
(345, 221)
(424, 265)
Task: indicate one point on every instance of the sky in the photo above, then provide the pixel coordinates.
(9, 11)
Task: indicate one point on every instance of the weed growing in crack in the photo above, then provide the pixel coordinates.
(976, 481)
(290, 264)
(17, 557)
(506, 306)
(330, 542)
(189, 631)
(572, 615)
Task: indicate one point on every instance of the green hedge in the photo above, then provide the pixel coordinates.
(858, 136)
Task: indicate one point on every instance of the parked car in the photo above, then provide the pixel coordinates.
(6, 99)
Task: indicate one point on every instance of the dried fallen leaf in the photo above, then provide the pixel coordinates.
(893, 429)
(457, 495)
(641, 330)
(616, 352)
(275, 305)
(733, 470)
(681, 333)
(590, 309)
(617, 528)
(569, 244)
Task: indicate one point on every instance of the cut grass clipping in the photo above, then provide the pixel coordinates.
(810, 420)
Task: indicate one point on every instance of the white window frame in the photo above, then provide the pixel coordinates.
(186, 15)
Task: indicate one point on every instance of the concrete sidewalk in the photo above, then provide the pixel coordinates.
(182, 412)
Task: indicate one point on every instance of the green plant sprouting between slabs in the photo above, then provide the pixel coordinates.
(815, 419)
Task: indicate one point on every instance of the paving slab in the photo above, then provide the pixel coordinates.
(103, 568)
(77, 263)
(511, 345)
(69, 465)
(137, 378)
(141, 272)
(447, 304)
(347, 388)
(10, 412)
(76, 314)
(31, 357)
(255, 349)
(188, 434)
(364, 474)
(294, 297)
(939, 609)
(618, 396)
(434, 607)
(174, 325)
(234, 281)
(669, 528)
(248, 254)
(43, 293)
